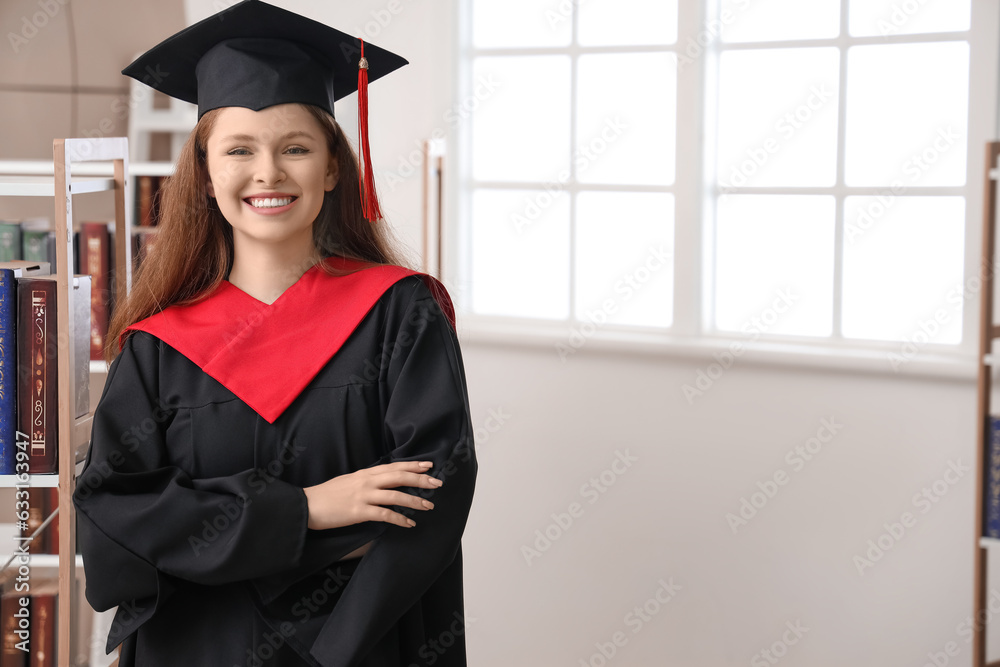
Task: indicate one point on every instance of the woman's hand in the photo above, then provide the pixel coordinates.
(362, 495)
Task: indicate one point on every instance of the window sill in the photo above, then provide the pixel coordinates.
(718, 351)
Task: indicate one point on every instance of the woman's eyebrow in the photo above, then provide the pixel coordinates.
(247, 138)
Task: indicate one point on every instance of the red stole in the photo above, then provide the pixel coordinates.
(267, 354)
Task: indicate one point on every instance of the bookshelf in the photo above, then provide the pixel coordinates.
(34, 177)
(72, 172)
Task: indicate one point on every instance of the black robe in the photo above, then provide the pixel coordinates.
(191, 510)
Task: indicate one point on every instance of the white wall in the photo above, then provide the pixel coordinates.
(664, 518)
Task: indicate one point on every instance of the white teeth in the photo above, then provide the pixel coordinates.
(270, 202)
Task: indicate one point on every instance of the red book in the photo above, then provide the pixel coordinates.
(10, 654)
(147, 184)
(37, 396)
(37, 511)
(95, 257)
(43, 630)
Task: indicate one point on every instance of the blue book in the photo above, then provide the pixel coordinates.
(992, 509)
(8, 372)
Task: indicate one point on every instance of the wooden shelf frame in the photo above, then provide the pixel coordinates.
(66, 153)
(56, 179)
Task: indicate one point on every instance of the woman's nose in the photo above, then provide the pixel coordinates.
(268, 171)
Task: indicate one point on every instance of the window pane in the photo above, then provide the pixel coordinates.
(907, 114)
(519, 23)
(774, 264)
(893, 17)
(626, 128)
(778, 117)
(520, 126)
(903, 262)
(765, 20)
(627, 22)
(624, 258)
(520, 253)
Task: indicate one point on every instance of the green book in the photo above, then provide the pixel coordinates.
(35, 245)
(10, 241)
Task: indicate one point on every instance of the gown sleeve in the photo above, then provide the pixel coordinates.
(426, 418)
(140, 519)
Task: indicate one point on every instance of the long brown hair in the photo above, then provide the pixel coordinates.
(194, 248)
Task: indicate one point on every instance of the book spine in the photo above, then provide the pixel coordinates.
(10, 241)
(35, 246)
(37, 511)
(145, 200)
(8, 372)
(992, 513)
(94, 259)
(37, 391)
(43, 622)
(10, 654)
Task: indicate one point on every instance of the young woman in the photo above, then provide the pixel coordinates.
(281, 465)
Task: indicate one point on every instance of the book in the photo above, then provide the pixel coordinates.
(10, 654)
(35, 235)
(148, 200)
(95, 260)
(38, 375)
(42, 502)
(10, 241)
(8, 372)
(42, 607)
(9, 272)
(991, 513)
(38, 511)
(144, 200)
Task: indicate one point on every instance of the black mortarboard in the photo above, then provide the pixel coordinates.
(256, 55)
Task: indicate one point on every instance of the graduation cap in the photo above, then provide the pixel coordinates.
(256, 55)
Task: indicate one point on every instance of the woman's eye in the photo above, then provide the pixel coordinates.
(238, 151)
(298, 150)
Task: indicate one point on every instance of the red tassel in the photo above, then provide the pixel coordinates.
(369, 199)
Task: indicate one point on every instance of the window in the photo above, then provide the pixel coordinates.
(572, 159)
(817, 188)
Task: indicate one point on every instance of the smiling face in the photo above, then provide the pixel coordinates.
(268, 170)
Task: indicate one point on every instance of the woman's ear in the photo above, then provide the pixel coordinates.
(210, 188)
(332, 175)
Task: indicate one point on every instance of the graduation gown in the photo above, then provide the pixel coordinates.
(192, 517)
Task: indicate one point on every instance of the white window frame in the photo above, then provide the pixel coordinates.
(691, 334)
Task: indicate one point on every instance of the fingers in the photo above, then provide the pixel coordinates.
(386, 515)
(396, 466)
(402, 499)
(404, 473)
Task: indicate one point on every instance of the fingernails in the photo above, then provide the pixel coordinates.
(428, 504)
(436, 482)
(426, 464)
(411, 523)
